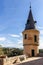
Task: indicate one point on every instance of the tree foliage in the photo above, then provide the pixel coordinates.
(12, 51)
(40, 50)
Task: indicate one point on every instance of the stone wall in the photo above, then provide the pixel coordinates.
(12, 60)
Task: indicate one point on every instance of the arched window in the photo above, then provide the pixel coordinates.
(35, 38)
(25, 36)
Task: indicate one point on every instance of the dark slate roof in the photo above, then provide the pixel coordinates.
(30, 21)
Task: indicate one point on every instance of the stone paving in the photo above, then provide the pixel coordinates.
(33, 61)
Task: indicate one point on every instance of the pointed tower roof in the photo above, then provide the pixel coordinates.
(30, 21)
(30, 17)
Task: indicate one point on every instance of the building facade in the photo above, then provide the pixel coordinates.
(30, 37)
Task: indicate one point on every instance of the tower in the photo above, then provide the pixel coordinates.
(30, 37)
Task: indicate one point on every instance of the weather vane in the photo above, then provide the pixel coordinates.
(30, 4)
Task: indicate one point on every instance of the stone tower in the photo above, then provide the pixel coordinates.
(30, 37)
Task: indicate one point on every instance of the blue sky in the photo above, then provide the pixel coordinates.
(13, 16)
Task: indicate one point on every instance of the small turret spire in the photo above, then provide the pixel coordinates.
(30, 21)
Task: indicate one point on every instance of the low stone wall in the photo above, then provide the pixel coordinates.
(13, 60)
(9, 61)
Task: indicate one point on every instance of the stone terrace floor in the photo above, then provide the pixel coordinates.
(32, 61)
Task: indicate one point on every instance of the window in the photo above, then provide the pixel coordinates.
(25, 36)
(35, 38)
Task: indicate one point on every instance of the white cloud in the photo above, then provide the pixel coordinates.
(20, 41)
(11, 44)
(2, 38)
(7, 42)
(40, 27)
(20, 34)
(41, 43)
(41, 31)
(14, 35)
